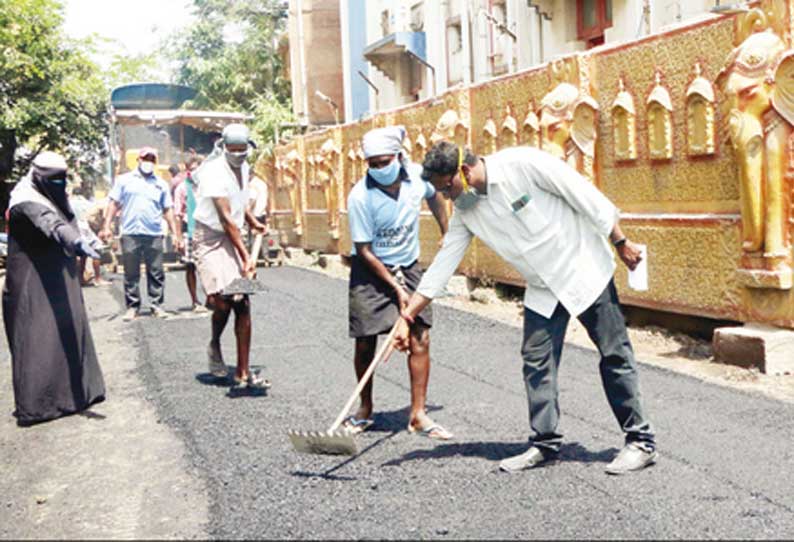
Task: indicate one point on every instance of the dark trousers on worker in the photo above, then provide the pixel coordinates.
(542, 349)
(149, 250)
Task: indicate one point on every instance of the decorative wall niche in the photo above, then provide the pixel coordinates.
(660, 122)
(700, 116)
(421, 145)
(624, 126)
(530, 129)
(489, 136)
(408, 147)
(509, 135)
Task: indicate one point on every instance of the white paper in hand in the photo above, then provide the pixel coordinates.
(638, 279)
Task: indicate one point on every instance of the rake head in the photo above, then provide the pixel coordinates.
(337, 442)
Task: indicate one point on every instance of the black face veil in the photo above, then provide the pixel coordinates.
(51, 183)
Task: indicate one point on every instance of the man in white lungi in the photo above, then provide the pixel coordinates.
(221, 255)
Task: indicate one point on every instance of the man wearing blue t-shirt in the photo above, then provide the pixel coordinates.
(383, 211)
(144, 200)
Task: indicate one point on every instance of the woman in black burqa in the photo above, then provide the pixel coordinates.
(54, 363)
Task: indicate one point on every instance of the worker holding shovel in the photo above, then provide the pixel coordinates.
(383, 210)
(221, 255)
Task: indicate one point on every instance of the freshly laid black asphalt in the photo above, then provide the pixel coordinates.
(726, 468)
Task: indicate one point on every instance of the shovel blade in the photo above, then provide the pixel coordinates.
(243, 286)
(338, 442)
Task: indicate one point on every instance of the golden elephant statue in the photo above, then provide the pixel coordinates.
(568, 124)
(758, 83)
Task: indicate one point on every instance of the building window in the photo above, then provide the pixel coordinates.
(593, 17)
(501, 44)
(417, 17)
(454, 51)
(385, 23)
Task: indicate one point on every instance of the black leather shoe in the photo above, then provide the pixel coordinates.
(529, 459)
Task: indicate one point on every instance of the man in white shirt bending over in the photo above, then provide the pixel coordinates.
(554, 227)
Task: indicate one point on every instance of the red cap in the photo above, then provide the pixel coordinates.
(147, 151)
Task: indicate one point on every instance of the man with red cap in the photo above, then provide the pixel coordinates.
(144, 200)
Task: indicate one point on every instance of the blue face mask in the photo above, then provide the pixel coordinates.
(386, 175)
(467, 199)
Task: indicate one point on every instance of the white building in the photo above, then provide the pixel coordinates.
(395, 52)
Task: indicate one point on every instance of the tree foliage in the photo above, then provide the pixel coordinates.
(230, 56)
(51, 94)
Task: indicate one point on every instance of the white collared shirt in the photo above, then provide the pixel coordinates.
(541, 216)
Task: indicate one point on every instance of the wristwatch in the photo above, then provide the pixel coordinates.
(619, 243)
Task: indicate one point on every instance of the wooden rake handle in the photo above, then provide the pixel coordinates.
(256, 249)
(383, 354)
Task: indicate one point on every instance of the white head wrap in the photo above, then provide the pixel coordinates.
(381, 141)
(50, 160)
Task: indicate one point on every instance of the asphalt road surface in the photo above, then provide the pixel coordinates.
(726, 468)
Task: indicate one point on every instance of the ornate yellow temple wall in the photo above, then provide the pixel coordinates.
(420, 121)
(688, 132)
(286, 215)
(684, 208)
(353, 167)
(499, 110)
(320, 184)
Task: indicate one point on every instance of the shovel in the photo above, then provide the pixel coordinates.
(338, 441)
(247, 285)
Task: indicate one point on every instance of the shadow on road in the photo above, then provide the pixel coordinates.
(208, 379)
(92, 415)
(496, 451)
(328, 474)
(394, 421)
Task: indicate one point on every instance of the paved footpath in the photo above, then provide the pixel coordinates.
(725, 469)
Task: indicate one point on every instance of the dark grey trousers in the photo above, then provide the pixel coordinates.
(541, 351)
(149, 250)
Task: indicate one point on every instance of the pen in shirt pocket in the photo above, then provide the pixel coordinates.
(521, 202)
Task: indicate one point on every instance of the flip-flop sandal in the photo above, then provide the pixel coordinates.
(356, 426)
(433, 431)
(253, 382)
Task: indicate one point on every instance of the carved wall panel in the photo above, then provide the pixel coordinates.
(682, 277)
(520, 90)
(679, 185)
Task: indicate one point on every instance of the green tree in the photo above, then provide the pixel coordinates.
(126, 69)
(230, 56)
(51, 94)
